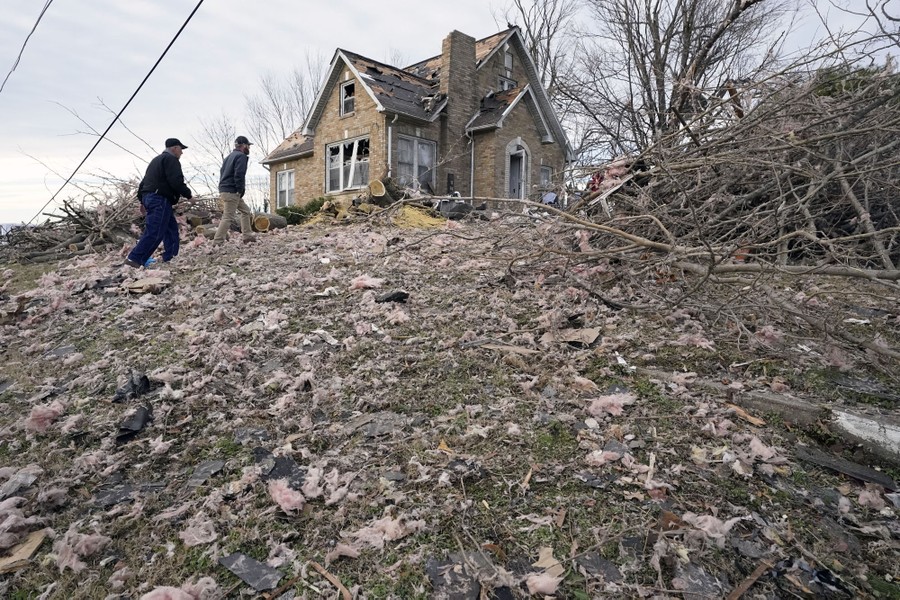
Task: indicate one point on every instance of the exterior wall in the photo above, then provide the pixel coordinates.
(492, 160)
(490, 72)
(309, 176)
(488, 165)
(458, 81)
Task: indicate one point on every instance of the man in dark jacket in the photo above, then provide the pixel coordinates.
(232, 185)
(159, 191)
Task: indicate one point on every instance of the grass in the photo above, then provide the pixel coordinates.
(430, 384)
(26, 276)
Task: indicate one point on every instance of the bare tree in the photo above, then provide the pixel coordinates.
(213, 143)
(282, 103)
(546, 26)
(647, 65)
(396, 58)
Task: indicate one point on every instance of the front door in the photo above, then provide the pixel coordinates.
(516, 175)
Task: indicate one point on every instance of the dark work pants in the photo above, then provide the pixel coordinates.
(161, 226)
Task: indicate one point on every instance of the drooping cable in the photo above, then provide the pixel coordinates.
(25, 43)
(119, 114)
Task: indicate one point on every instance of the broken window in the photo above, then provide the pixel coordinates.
(506, 84)
(348, 98)
(415, 160)
(284, 188)
(347, 165)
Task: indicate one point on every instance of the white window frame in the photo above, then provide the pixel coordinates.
(348, 103)
(506, 84)
(508, 61)
(282, 191)
(416, 142)
(350, 164)
(546, 176)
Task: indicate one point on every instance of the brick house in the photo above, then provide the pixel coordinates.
(473, 120)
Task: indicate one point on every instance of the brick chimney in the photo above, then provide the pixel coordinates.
(458, 82)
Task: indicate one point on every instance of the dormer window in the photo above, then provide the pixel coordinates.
(348, 98)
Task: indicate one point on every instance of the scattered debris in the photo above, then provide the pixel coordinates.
(203, 472)
(136, 385)
(844, 466)
(396, 296)
(20, 556)
(257, 575)
(643, 464)
(134, 423)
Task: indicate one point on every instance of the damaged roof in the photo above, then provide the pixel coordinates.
(430, 68)
(295, 146)
(396, 90)
(496, 106)
(414, 93)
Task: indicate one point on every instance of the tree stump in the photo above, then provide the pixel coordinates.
(266, 222)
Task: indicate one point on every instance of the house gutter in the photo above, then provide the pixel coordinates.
(471, 164)
(390, 144)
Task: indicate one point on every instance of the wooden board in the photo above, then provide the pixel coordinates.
(842, 465)
(20, 556)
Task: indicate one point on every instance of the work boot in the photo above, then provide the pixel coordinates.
(249, 237)
(132, 263)
(218, 242)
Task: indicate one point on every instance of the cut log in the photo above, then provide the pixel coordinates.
(376, 188)
(268, 221)
(196, 220)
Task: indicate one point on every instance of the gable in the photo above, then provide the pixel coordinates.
(496, 107)
(295, 145)
(488, 50)
(392, 90)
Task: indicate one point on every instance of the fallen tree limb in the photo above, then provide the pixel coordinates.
(828, 270)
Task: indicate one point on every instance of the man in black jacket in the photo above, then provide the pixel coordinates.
(162, 186)
(232, 185)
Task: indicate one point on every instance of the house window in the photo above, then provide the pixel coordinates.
(508, 62)
(348, 98)
(546, 176)
(347, 165)
(506, 84)
(415, 160)
(284, 188)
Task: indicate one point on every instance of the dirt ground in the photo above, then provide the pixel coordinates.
(496, 433)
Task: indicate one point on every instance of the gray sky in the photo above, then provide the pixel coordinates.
(87, 51)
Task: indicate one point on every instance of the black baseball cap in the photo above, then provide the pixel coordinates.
(242, 140)
(175, 142)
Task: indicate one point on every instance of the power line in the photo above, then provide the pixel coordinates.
(18, 58)
(119, 114)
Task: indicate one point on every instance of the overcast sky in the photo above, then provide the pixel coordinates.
(85, 52)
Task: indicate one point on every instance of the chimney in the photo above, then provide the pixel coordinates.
(459, 84)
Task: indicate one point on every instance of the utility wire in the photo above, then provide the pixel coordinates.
(119, 114)
(18, 58)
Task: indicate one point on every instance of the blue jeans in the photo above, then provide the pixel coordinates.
(161, 227)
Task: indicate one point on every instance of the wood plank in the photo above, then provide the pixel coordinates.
(844, 466)
(20, 556)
